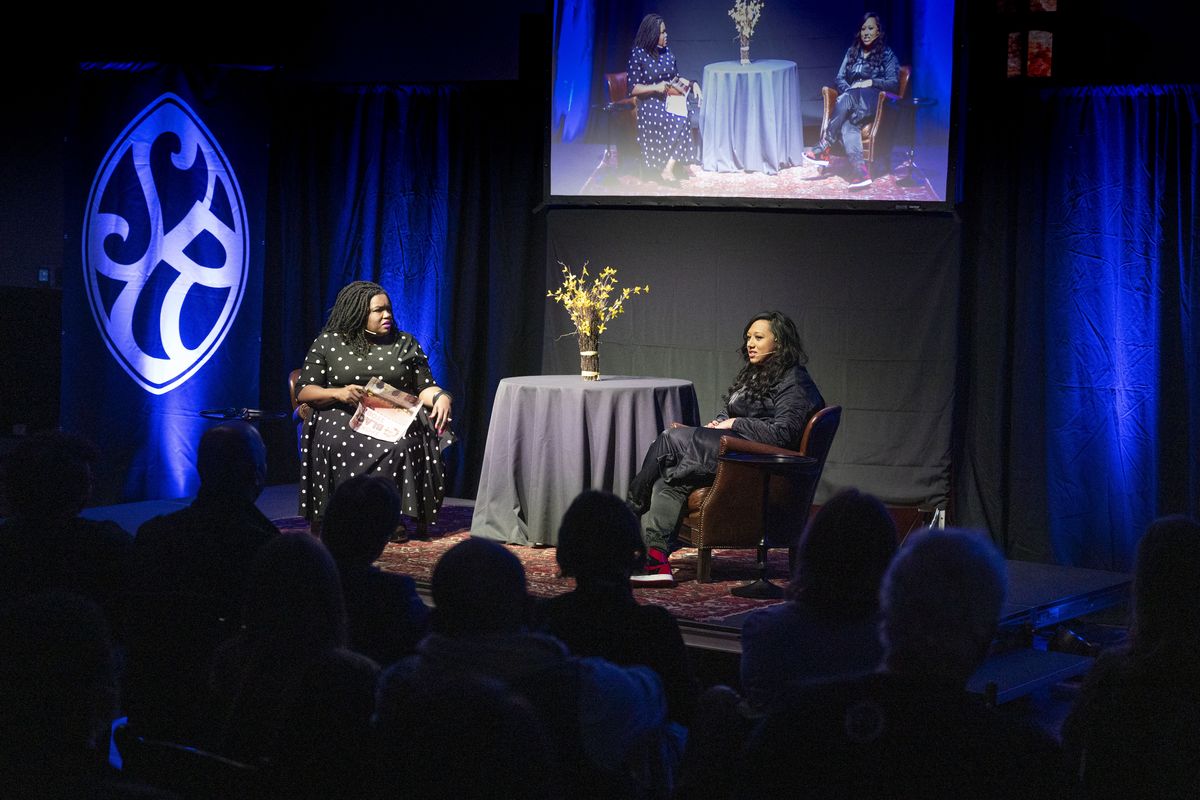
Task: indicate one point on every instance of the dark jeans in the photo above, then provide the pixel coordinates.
(667, 504)
(849, 113)
(661, 502)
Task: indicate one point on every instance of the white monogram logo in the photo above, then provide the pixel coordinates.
(165, 247)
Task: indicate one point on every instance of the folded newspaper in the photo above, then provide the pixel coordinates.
(385, 412)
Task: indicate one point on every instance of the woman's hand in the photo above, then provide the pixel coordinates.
(724, 424)
(439, 415)
(865, 83)
(348, 395)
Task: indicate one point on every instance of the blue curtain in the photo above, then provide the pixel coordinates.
(429, 191)
(574, 40)
(1080, 405)
(1121, 336)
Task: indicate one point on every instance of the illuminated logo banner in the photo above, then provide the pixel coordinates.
(165, 246)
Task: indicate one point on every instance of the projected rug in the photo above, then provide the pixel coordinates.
(795, 183)
(689, 600)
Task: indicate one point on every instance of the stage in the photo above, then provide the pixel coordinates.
(1040, 596)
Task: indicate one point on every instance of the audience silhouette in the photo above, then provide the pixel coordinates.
(58, 696)
(910, 729)
(285, 693)
(829, 626)
(189, 578)
(386, 616)
(46, 545)
(1135, 729)
(600, 544)
(425, 749)
(607, 724)
(264, 648)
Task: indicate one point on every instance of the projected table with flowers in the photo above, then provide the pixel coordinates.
(751, 117)
(552, 436)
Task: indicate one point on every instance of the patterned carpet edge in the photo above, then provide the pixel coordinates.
(689, 600)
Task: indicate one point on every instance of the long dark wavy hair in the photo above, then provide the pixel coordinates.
(878, 47)
(647, 35)
(757, 379)
(348, 318)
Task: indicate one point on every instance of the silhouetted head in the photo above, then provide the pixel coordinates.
(599, 539)
(1166, 588)
(294, 594)
(478, 586)
(360, 518)
(843, 554)
(940, 604)
(232, 462)
(48, 476)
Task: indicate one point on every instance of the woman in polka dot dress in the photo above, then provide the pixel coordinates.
(665, 138)
(359, 342)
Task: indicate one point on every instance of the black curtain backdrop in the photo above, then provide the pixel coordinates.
(1081, 420)
(874, 297)
(431, 191)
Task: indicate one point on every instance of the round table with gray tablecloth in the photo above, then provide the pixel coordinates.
(751, 119)
(552, 436)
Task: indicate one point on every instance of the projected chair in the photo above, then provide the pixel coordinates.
(729, 513)
(879, 130)
(622, 119)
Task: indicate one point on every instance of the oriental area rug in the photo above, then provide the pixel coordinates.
(687, 600)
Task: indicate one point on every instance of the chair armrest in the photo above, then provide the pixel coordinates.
(734, 444)
(829, 97)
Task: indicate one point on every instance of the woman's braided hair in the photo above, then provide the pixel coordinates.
(348, 318)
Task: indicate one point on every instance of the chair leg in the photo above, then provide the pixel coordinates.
(791, 561)
(704, 565)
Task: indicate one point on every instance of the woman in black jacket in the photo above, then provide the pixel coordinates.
(770, 401)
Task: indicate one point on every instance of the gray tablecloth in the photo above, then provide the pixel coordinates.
(552, 436)
(751, 119)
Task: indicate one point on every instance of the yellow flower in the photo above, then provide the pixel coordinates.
(592, 305)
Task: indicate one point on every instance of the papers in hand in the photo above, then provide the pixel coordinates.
(384, 412)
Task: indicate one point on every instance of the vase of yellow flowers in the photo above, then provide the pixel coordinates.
(745, 17)
(592, 306)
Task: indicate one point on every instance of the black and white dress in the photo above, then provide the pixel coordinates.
(331, 453)
(662, 135)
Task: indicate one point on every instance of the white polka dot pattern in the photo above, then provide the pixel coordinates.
(332, 452)
(662, 135)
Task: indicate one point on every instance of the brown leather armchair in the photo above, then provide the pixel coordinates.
(884, 116)
(622, 111)
(729, 513)
(300, 411)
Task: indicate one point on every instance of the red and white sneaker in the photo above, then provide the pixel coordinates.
(657, 572)
(861, 178)
(818, 155)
